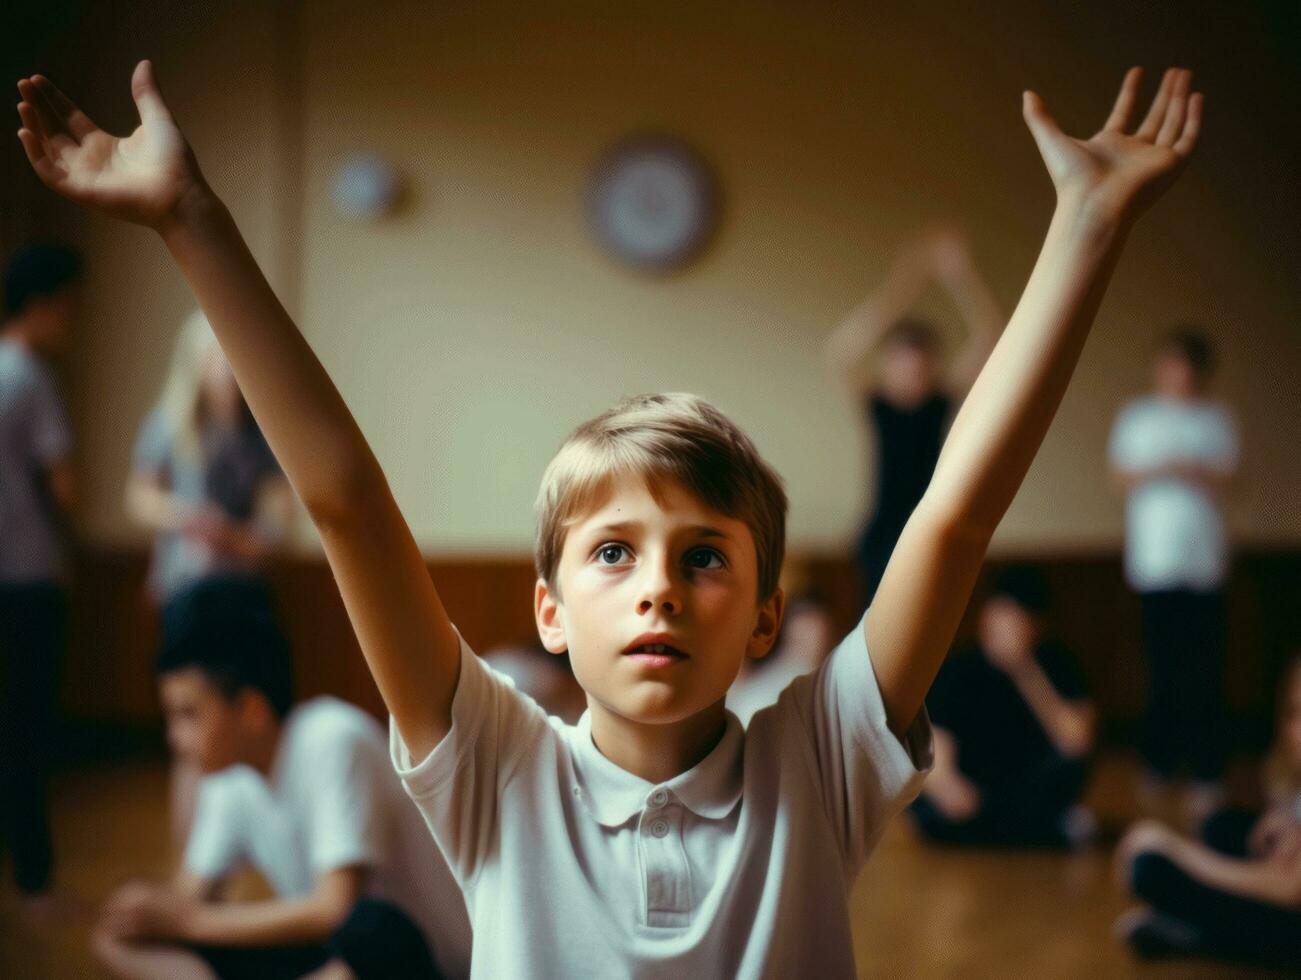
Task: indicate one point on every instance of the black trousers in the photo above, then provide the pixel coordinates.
(33, 630)
(1227, 926)
(378, 941)
(1026, 812)
(1184, 724)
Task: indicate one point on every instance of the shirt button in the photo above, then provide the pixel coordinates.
(660, 828)
(659, 797)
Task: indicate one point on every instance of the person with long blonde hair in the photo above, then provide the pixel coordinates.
(202, 476)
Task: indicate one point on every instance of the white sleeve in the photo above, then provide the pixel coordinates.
(867, 773)
(1222, 448)
(347, 821)
(457, 786)
(216, 845)
(1124, 447)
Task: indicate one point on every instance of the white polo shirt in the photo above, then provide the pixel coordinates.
(740, 867)
(1174, 533)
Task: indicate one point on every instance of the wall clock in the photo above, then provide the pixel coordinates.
(653, 202)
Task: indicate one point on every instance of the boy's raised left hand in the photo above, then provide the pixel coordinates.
(1116, 174)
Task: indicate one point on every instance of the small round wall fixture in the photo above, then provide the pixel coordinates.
(366, 187)
(653, 202)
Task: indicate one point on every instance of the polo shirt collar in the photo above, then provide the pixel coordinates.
(710, 789)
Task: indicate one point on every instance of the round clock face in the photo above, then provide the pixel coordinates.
(652, 202)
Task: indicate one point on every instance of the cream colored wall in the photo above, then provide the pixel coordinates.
(473, 330)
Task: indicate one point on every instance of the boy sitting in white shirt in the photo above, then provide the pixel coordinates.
(655, 838)
(305, 795)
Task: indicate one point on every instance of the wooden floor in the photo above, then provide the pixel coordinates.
(918, 912)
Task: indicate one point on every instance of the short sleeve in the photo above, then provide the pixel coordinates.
(153, 446)
(51, 435)
(457, 786)
(346, 818)
(1124, 447)
(216, 845)
(867, 772)
(1222, 449)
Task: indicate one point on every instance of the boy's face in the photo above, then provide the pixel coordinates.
(204, 727)
(657, 604)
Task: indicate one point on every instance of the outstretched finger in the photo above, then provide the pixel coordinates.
(1125, 99)
(32, 123)
(1156, 113)
(78, 123)
(148, 98)
(36, 156)
(47, 119)
(1192, 126)
(1176, 111)
(1043, 127)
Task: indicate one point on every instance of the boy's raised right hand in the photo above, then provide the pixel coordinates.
(143, 178)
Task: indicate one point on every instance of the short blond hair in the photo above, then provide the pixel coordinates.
(674, 437)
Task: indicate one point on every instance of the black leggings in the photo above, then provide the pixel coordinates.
(1183, 727)
(1025, 813)
(1227, 925)
(33, 626)
(378, 941)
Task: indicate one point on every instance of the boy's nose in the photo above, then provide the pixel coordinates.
(660, 592)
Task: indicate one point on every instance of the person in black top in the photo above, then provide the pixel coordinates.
(1014, 728)
(908, 400)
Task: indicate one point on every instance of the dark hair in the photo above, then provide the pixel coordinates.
(1189, 341)
(235, 644)
(1025, 586)
(913, 332)
(39, 270)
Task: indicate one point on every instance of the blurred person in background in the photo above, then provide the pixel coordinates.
(1236, 894)
(807, 636)
(1173, 453)
(42, 293)
(305, 794)
(909, 398)
(1014, 731)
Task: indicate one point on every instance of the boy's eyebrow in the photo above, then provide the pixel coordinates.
(696, 530)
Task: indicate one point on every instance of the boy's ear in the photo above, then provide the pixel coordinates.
(767, 626)
(550, 618)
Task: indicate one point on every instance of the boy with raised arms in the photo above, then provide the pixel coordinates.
(655, 838)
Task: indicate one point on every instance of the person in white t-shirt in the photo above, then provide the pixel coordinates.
(304, 794)
(1173, 453)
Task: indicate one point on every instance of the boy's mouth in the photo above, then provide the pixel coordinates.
(657, 649)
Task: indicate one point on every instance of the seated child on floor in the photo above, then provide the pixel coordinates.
(1236, 894)
(305, 795)
(1014, 728)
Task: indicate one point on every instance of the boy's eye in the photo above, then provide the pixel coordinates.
(611, 554)
(704, 558)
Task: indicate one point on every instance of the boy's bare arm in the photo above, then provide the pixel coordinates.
(1102, 185)
(152, 178)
